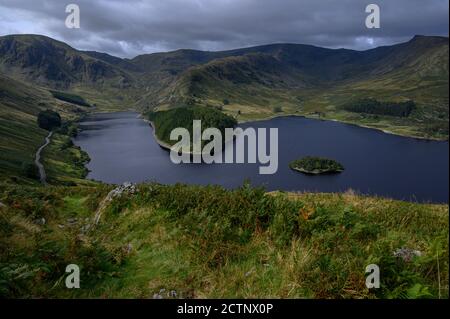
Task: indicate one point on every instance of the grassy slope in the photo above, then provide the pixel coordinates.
(208, 242)
(241, 244)
(64, 162)
(54, 64)
(299, 79)
(20, 135)
(255, 86)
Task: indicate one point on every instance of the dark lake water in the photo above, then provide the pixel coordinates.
(122, 148)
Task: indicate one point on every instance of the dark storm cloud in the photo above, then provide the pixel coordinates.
(128, 28)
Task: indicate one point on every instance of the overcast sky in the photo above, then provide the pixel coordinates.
(127, 28)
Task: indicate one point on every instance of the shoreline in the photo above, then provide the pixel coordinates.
(315, 172)
(348, 123)
(163, 144)
(313, 191)
(168, 147)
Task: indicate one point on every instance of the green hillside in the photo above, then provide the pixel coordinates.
(251, 83)
(20, 135)
(255, 84)
(294, 78)
(156, 241)
(47, 61)
(194, 242)
(54, 64)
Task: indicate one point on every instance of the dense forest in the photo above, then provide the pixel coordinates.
(372, 106)
(165, 121)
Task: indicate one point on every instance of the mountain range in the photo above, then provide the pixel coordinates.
(275, 71)
(188, 241)
(248, 83)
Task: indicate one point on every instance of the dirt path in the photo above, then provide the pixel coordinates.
(37, 161)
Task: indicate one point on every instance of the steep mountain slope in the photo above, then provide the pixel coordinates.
(19, 134)
(54, 64)
(299, 66)
(308, 80)
(50, 62)
(249, 83)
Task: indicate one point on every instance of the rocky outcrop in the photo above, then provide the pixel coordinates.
(124, 189)
(407, 254)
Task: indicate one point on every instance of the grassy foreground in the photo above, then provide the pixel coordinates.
(197, 242)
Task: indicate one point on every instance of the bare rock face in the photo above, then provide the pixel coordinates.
(163, 294)
(125, 188)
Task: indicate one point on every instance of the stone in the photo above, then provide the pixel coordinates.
(85, 228)
(72, 220)
(40, 221)
(407, 254)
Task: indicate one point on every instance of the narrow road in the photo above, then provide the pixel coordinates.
(37, 161)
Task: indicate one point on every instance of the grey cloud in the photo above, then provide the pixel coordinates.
(128, 28)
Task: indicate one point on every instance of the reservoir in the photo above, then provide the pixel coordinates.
(122, 148)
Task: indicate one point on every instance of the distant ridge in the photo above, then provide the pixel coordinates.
(297, 78)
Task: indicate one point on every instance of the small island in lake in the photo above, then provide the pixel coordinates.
(316, 165)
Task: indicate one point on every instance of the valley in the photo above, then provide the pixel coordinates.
(214, 230)
(248, 84)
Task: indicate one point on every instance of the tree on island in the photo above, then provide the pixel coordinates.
(316, 165)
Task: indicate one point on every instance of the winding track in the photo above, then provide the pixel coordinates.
(37, 160)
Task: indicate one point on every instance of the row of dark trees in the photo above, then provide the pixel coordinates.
(372, 106)
(71, 98)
